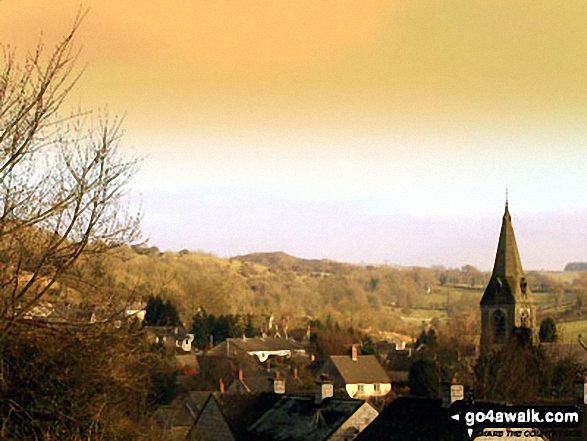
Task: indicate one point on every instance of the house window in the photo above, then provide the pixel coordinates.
(361, 387)
(377, 387)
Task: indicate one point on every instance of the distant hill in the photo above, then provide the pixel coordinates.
(286, 262)
(576, 266)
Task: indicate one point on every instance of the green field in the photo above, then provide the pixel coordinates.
(569, 331)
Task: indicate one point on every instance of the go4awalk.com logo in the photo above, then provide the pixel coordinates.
(530, 421)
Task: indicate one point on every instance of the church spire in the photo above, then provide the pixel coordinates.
(506, 305)
(507, 282)
(507, 259)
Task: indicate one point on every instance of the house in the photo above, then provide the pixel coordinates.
(225, 417)
(261, 347)
(361, 376)
(319, 418)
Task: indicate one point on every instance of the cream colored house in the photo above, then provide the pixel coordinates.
(361, 376)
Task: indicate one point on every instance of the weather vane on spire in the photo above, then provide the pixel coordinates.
(506, 197)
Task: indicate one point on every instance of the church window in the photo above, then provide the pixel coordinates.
(524, 315)
(523, 285)
(499, 323)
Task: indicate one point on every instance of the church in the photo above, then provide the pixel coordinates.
(506, 307)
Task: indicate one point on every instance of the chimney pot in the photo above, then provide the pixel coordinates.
(278, 385)
(452, 392)
(324, 389)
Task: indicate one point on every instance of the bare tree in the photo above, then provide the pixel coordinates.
(62, 179)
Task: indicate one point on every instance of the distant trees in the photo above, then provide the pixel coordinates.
(466, 275)
(161, 313)
(220, 328)
(547, 332)
(579, 291)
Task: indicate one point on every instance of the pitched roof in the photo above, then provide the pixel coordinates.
(507, 259)
(366, 369)
(238, 410)
(267, 344)
(195, 401)
(296, 418)
(254, 381)
(173, 416)
(504, 285)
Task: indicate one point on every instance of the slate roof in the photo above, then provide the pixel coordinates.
(195, 401)
(259, 381)
(268, 344)
(296, 418)
(366, 369)
(413, 419)
(239, 411)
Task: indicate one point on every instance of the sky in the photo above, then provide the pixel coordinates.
(373, 131)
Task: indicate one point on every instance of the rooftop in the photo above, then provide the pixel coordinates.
(296, 418)
(365, 369)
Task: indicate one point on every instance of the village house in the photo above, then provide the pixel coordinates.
(360, 376)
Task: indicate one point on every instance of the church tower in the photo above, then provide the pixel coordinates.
(505, 305)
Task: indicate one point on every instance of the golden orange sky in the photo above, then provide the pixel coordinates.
(393, 108)
(202, 61)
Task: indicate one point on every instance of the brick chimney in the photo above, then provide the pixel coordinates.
(354, 352)
(324, 389)
(278, 384)
(221, 385)
(240, 373)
